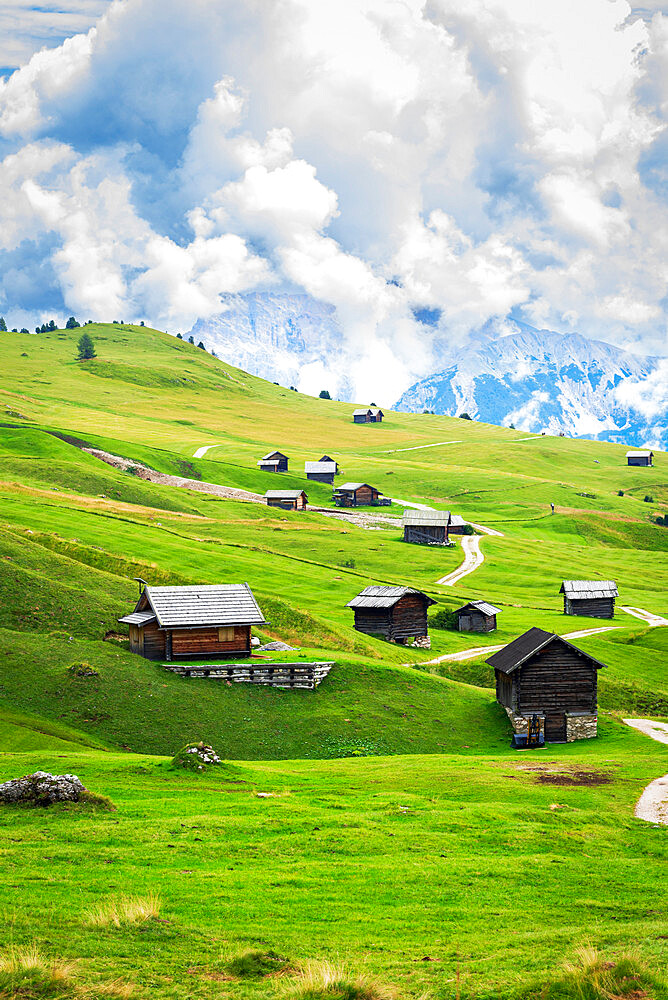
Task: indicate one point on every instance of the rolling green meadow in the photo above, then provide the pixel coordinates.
(381, 823)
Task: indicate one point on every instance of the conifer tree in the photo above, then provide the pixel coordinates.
(86, 348)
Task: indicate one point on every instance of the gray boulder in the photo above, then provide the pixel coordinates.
(42, 789)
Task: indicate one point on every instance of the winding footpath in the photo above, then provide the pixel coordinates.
(652, 806)
(473, 557)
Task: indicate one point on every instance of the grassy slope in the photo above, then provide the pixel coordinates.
(417, 855)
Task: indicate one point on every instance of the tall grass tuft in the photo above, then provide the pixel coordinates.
(27, 974)
(592, 977)
(326, 981)
(124, 911)
(253, 964)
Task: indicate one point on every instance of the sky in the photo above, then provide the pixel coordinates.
(427, 168)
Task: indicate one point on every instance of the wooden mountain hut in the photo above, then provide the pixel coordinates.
(328, 458)
(357, 495)
(640, 458)
(591, 598)
(540, 673)
(287, 499)
(275, 461)
(179, 622)
(320, 472)
(362, 415)
(398, 614)
(426, 527)
(376, 415)
(457, 525)
(477, 616)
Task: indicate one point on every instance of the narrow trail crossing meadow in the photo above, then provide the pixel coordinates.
(652, 805)
(470, 654)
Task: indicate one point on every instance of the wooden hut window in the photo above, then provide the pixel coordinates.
(226, 634)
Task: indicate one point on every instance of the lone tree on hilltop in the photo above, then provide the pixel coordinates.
(86, 348)
(71, 324)
(464, 416)
(324, 394)
(3, 325)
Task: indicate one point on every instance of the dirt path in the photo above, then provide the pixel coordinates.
(652, 805)
(654, 621)
(201, 452)
(473, 556)
(418, 447)
(471, 654)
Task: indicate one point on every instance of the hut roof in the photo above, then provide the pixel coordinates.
(640, 454)
(327, 458)
(269, 461)
(138, 618)
(273, 454)
(361, 410)
(321, 466)
(435, 518)
(375, 410)
(351, 487)
(583, 590)
(219, 604)
(284, 494)
(525, 646)
(383, 597)
(487, 609)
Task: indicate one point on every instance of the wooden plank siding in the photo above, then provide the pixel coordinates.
(475, 621)
(425, 534)
(591, 607)
(152, 642)
(211, 641)
(407, 619)
(556, 680)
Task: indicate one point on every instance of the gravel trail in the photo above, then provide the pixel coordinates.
(654, 621)
(652, 805)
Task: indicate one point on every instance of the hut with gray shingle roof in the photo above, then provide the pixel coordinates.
(591, 598)
(398, 614)
(181, 622)
(477, 616)
(426, 527)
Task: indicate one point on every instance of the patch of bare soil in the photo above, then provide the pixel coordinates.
(573, 778)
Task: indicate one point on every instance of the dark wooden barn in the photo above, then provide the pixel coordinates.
(275, 461)
(457, 525)
(287, 499)
(540, 673)
(426, 527)
(398, 614)
(328, 458)
(640, 458)
(320, 472)
(178, 622)
(376, 415)
(591, 598)
(357, 495)
(362, 415)
(477, 616)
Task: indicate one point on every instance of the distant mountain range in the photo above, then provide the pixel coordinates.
(535, 379)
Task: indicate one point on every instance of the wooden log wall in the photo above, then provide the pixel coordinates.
(436, 535)
(556, 680)
(593, 607)
(374, 621)
(321, 477)
(206, 642)
(409, 618)
(306, 676)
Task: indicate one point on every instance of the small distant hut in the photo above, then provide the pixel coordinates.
(426, 527)
(275, 461)
(398, 614)
(320, 472)
(287, 499)
(328, 458)
(181, 622)
(357, 495)
(641, 457)
(376, 415)
(362, 415)
(591, 598)
(542, 674)
(457, 525)
(477, 616)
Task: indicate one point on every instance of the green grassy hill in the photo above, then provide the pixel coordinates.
(491, 870)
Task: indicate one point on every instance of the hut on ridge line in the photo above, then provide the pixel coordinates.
(542, 674)
(287, 499)
(590, 598)
(275, 461)
(477, 616)
(398, 614)
(640, 457)
(321, 472)
(180, 622)
(426, 527)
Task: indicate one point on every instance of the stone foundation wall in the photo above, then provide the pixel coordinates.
(580, 727)
(520, 723)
